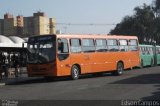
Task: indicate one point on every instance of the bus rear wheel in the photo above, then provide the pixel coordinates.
(120, 69)
(141, 66)
(75, 71)
(152, 63)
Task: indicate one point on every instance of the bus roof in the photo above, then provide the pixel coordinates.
(97, 36)
(89, 36)
(143, 45)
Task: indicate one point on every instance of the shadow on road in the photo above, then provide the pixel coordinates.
(141, 79)
(154, 96)
(145, 79)
(37, 81)
(51, 80)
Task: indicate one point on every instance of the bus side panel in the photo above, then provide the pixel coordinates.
(143, 59)
(108, 61)
(84, 60)
(135, 58)
(63, 67)
(114, 57)
(125, 57)
(147, 59)
(111, 61)
(100, 62)
(158, 59)
(79, 59)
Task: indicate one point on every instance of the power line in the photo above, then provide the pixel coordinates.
(83, 24)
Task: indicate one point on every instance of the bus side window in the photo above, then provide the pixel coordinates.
(152, 52)
(63, 50)
(133, 45)
(143, 51)
(101, 45)
(112, 45)
(75, 45)
(157, 49)
(123, 45)
(88, 45)
(148, 50)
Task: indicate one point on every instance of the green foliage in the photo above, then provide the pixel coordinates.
(143, 24)
(157, 5)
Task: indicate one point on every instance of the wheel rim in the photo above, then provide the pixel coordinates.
(75, 72)
(120, 68)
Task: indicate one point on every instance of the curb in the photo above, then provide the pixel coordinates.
(2, 84)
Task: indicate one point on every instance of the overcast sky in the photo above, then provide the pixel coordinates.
(76, 12)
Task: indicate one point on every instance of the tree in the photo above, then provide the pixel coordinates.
(140, 24)
(156, 7)
(156, 30)
(157, 4)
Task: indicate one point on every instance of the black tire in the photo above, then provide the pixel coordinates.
(75, 71)
(152, 63)
(141, 66)
(120, 69)
(0, 76)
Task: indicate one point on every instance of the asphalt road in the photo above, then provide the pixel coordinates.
(135, 84)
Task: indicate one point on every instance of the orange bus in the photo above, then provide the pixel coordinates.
(74, 55)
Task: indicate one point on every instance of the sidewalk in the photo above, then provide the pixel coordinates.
(14, 80)
(10, 80)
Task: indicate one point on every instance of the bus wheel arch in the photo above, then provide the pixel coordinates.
(75, 71)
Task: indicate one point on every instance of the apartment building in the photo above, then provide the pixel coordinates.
(38, 24)
(1, 26)
(28, 28)
(52, 24)
(41, 24)
(9, 25)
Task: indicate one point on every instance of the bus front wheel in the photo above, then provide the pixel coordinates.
(75, 72)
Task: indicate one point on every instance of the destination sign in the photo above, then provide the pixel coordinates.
(41, 39)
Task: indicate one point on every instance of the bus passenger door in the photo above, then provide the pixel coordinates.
(63, 61)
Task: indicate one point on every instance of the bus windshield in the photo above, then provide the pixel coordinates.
(41, 49)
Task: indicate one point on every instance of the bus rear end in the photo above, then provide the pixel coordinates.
(42, 56)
